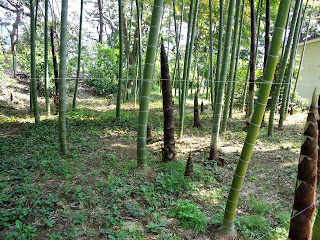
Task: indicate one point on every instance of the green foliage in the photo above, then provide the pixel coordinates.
(189, 215)
(101, 65)
(258, 206)
(253, 226)
(157, 226)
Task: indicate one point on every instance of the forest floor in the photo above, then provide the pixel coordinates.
(96, 191)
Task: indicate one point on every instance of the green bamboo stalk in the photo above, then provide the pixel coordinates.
(253, 57)
(232, 66)
(316, 227)
(190, 38)
(176, 70)
(282, 68)
(246, 153)
(14, 64)
(219, 53)
(194, 27)
(301, 58)
(179, 57)
(211, 50)
(118, 107)
(146, 84)
(222, 82)
(288, 78)
(139, 49)
(300, 29)
(258, 24)
(46, 72)
(244, 95)
(126, 92)
(237, 61)
(62, 77)
(195, 65)
(79, 59)
(33, 64)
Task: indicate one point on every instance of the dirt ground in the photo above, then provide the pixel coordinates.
(96, 191)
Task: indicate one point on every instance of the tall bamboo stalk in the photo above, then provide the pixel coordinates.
(146, 83)
(267, 33)
(118, 107)
(79, 59)
(246, 153)
(176, 71)
(211, 50)
(300, 30)
(237, 60)
(282, 68)
(46, 71)
(253, 54)
(288, 77)
(232, 65)
(222, 81)
(33, 64)
(187, 62)
(219, 53)
(62, 78)
(139, 49)
(301, 58)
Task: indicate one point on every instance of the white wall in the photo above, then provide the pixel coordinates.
(310, 71)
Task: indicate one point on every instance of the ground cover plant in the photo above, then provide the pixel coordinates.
(96, 191)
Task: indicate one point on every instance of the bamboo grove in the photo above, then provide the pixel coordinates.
(218, 56)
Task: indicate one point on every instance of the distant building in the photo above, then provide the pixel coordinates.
(310, 70)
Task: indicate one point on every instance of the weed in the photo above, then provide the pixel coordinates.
(189, 215)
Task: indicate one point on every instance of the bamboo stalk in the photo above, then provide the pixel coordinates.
(146, 83)
(253, 131)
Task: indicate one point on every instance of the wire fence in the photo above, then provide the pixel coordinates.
(281, 225)
(177, 80)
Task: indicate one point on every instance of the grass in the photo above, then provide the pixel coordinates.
(96, 191)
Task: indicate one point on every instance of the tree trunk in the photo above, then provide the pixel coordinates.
(33, 65)
(79, 59)
(118, 108)
(101, 20)
(146, 83)
(62, 78)
(14, 35)
(222, 81)
(247, 150)
(168, 150)
(305, 192)
(55, 69)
